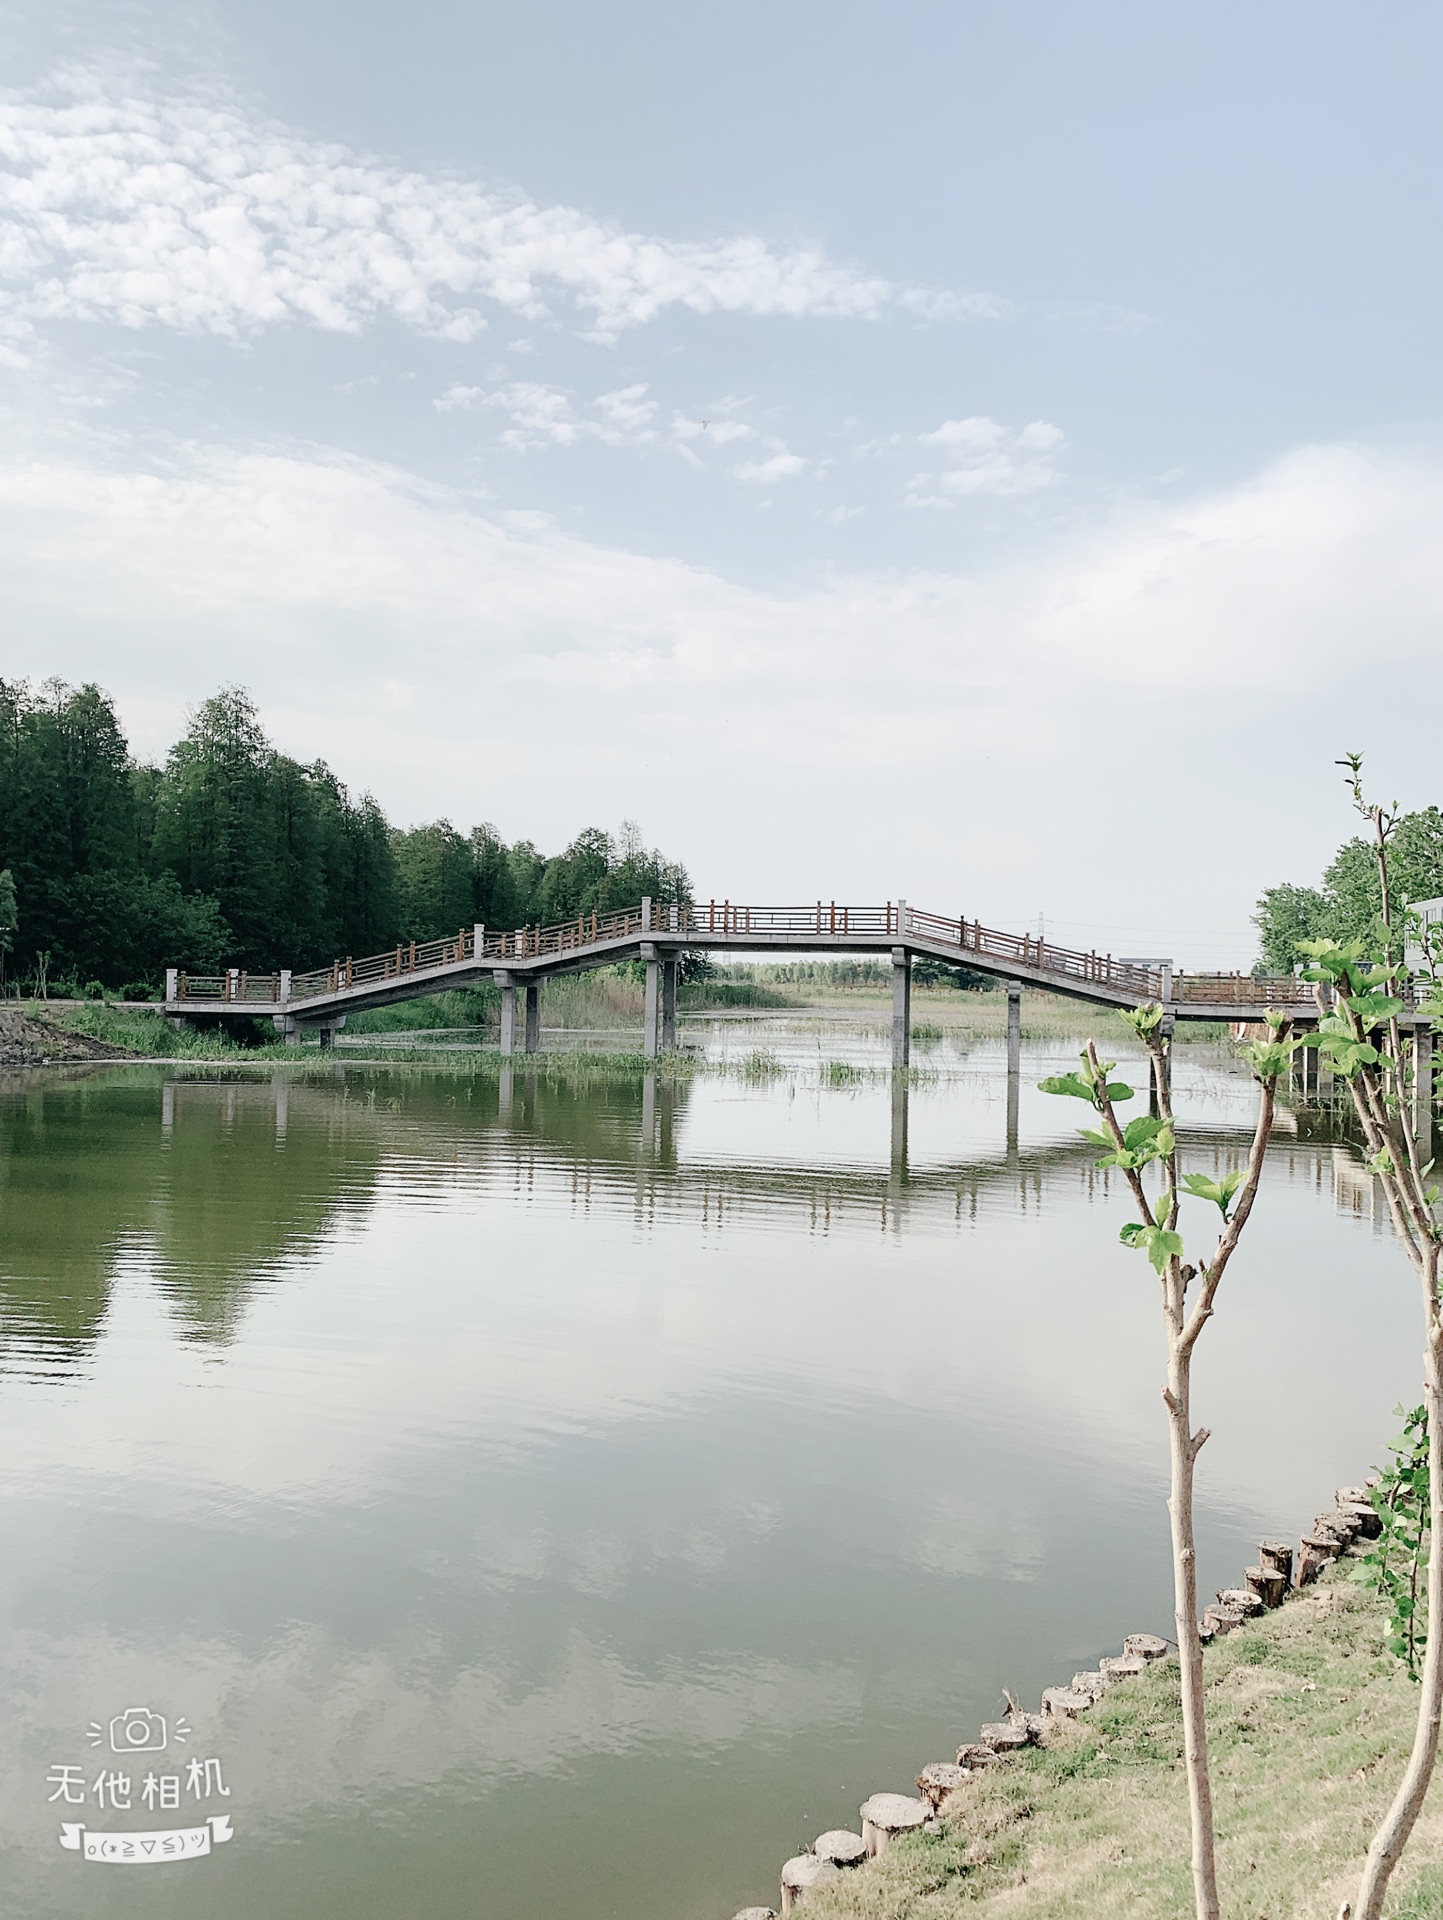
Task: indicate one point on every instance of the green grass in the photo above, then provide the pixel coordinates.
(1310, 1721)
(841, 1073)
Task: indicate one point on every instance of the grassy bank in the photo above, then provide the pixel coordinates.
(1310, 1721)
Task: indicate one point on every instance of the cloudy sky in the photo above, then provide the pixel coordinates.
(988, 453)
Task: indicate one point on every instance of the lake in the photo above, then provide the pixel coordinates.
(569, 1495)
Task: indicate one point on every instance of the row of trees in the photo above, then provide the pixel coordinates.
(1349, 904)
(232, 852)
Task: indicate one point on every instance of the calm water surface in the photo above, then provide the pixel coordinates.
(547, 1501)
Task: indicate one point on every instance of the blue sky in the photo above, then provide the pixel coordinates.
(986, 453)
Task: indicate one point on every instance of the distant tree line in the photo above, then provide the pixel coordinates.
(234, 853)
(1348, 904)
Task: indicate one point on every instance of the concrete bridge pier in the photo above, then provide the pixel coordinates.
(1014, 1061)
(901, 1004)
(669, 971)
(1423, 1091)
(1014, 1028)
(651, 1021)
(507, 983)
(533, 1015)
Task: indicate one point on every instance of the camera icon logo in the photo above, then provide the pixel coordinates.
(138, 1730)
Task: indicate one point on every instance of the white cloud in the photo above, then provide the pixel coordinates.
(628, 410)
(1204, 633)
(187, 213)
(542, 415)
(720, 433)
(989, 458)
(761, 473)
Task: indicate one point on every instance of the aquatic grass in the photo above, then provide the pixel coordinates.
(841, 1073)
(761, 1064)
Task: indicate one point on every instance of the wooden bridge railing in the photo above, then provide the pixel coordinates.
(724, 920)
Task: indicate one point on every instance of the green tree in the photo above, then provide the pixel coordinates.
(1189, 1290)
(1348, 905)
(435, 881)
(1360, 1032)
(9, 918)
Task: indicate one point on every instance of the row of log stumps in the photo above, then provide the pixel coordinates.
(886, 1816)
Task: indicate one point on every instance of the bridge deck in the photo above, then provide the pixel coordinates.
(655, 931)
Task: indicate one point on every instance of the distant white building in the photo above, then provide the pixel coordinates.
(1430, 912)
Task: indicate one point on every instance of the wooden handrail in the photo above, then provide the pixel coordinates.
(711, 921)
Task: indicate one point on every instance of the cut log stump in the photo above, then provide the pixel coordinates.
(1221, 1619)
(1065, 1703)
(934, 1783)
(1121, 1666)
(1342, 1525)
(1242, 1599)
(1147, 1646)
(1092, 1684)
(973, 1757)
(1369, 1521)
(1267, 1583)
(1006, 1736)
(1277, 1553)
(886, 1815)
(801, 1874)
(756, 1913)
(842, 1848)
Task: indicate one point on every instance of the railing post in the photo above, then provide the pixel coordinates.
(285, 988)
(646, 913)
(172, 985)
(478, 942)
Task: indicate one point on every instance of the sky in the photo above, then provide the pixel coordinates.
(983, 454)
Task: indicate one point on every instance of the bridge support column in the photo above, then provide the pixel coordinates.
(650, 1035)
(901, 1007)
(669, 969)
(1423, 1091)
(1014, 1062)
(1014, 1028)
(533, 1015)
(507, 984)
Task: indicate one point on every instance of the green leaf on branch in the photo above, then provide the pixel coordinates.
(1143, 1140)
(1158, 1243)
(1220, 1192)
(1144, 1020)
(1269, 1058)
(1372, 1009)
(1071, 1083)
(1382, 1162)
(1089, 1086)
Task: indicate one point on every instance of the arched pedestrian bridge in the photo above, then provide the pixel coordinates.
(658, 934)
